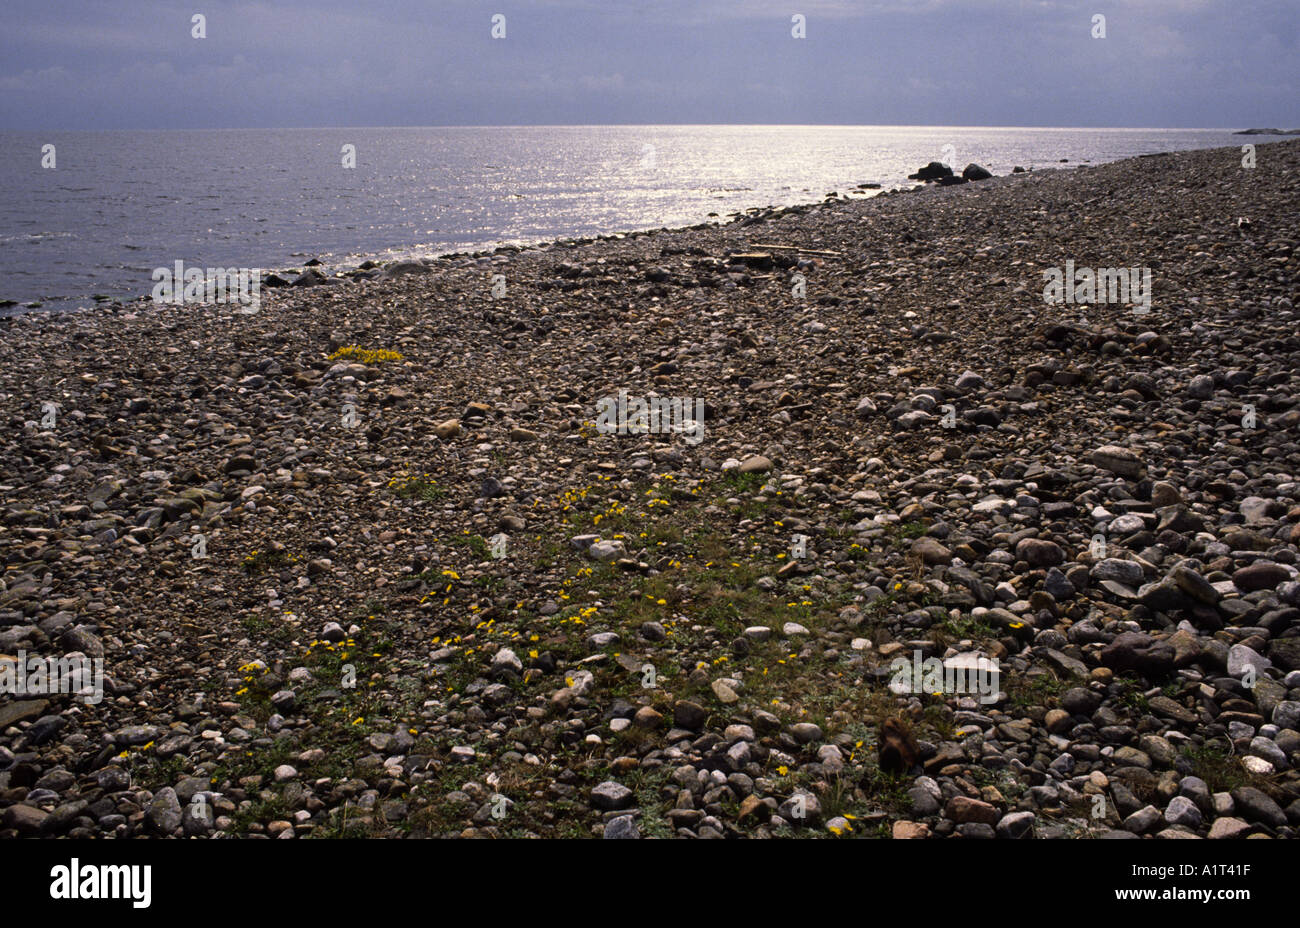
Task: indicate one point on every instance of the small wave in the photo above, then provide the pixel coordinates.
(32, 238)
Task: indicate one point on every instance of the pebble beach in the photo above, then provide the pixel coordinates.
(363, 562)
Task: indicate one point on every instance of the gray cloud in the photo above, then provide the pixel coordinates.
(91, 65)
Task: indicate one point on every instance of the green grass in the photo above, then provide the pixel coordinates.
(1038, 690)
(262, 561)
(1221, 771)
(413, 487)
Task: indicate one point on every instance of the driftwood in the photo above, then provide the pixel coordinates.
(807, 251)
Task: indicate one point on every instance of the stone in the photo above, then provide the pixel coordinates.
(1138, 651)
(1256, 806)
(1143, 820)
(1241, 656)
(964, 809)
(1285, 653)
(1127, 572)
(1016, 825)
(24, 819)
(610, 795)
(932, 171)
(726, 695)
(930, 551)
(1229, 828)
(506, 660)
(1182, 811)
(909, 831)
(1261, 575)
(647, 717)
(689, 715)
(806, 732)
(11, 713)
(165, 811)
(1201, 387)
(1040, 553)
(622, 827)
(1120, 461)
(607, 550)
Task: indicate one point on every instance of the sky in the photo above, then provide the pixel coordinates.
(127, 64)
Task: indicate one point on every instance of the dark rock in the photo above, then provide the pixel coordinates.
(935, 170)
(1140, 652)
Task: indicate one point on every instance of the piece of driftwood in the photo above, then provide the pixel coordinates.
(807, 251)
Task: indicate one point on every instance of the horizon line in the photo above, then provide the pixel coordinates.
(662, 125)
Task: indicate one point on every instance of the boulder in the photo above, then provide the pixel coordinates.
(932, 171)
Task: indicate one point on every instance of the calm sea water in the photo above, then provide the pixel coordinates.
(119, 204)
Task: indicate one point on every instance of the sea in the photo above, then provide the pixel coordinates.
(91, 217)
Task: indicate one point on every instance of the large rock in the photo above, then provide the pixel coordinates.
(1128, 573)
(1262, 575)
(1120, 461)
(935, 170)
(689, 715)
(26, 820)
(1285, 653)
(1139, 652)
(610, 795)
(11, 713)
(607, 550)
(1256, 806)
(1194, 586)
(403, 268)
(755, 464)
(976, 172)
(310, 278)
(1038, 552)
(621, 828)
(165, 811)
(931, 552)
(963, 809)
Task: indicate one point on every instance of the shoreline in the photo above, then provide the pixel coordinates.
(353, 264)
(345, 655)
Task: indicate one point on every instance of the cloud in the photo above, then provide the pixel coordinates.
(99, 64)
(45, 80)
